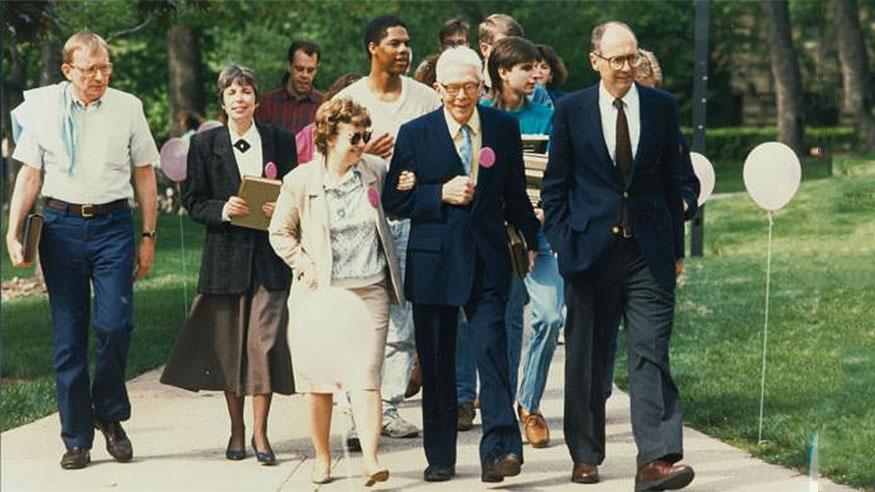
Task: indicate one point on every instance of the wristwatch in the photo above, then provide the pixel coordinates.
(150, 234)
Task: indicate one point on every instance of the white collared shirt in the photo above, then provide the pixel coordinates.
(631, 107)
(458, 138)
(111, 134)
(249, 163)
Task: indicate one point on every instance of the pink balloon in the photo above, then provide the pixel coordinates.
(374, 197)
(487, 157)
(174, 154)
(270, 170)
(208, 125)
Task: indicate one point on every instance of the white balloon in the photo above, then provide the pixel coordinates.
(705, 172)
(771, 175)
(331, 337)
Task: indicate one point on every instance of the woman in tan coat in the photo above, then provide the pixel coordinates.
(329, 227)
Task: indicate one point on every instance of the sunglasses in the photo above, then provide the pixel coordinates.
(360, 137)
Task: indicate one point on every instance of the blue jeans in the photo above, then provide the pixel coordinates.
(78, 255)
(466, 367)
(546, 289)
(400, 345)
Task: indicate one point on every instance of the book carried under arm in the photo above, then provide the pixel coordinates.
(33, 228)
(256, 192)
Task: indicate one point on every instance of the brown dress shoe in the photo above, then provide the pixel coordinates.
(536, 430)
(117, 443)
(414, 384)
(465, 417)
(75, 458)
(662, 475)
(584, 472)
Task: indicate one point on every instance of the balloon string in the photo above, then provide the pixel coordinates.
(766, 327)
(182, 254)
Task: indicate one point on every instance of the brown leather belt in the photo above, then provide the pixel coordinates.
(86, 210)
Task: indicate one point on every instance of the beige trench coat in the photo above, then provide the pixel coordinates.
(300, 229)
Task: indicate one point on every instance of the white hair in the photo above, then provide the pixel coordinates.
(455, 57)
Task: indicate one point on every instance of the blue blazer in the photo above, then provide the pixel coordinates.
(583, 196)
(445, 240)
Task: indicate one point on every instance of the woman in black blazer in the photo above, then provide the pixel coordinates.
(235, 338)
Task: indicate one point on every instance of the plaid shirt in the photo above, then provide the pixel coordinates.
(288, 112)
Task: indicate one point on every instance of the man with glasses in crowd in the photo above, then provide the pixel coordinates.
(86, 136)
(612, 203)
(468, 165)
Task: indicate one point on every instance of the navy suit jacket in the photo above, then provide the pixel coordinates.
(445, 240)
(583, 196)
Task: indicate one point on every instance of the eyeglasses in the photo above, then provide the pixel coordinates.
(470, 88)
(360, 137)
(93, 69)
(617, 62)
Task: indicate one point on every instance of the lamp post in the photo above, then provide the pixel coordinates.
(700, 101)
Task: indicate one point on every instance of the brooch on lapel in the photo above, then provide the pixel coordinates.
(486, 157)
(373, 197)
(270, 170)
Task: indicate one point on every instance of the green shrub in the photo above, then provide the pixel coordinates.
(732, 144)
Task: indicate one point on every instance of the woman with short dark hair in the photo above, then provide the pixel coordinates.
(235, 337)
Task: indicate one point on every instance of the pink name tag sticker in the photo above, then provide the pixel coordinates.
(270, 170)
(487, 157)
(374, 197)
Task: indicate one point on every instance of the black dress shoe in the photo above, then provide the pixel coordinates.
(438, 473)
(265, 458)
(234, 454)
(75, 458)
(505, 465)
(117, 443)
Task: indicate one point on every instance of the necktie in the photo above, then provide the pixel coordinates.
(466, 149)
(623, 157)
(623, 150)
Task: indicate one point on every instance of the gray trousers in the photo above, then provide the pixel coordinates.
(620, 285)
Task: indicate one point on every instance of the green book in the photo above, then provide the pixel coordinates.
(256, 192)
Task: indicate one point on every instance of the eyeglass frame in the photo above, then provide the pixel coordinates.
(91, 71)
(357, 137)
(626, 59)
(475, 86)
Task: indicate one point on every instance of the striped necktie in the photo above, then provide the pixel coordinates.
(466, 149)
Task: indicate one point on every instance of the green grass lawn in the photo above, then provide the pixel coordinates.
(160, 309)
(821, 362)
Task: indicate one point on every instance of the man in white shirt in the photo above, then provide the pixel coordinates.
(612, 212)
(392, 99)
(86, 137)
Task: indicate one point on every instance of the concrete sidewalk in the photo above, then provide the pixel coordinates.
(179, 440)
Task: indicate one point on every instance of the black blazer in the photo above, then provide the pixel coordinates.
(444, 238)
(232, 255)
(583, 196)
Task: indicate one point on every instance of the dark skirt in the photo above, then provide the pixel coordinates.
(234, 343)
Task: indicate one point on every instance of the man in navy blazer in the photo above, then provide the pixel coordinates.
(469, 179)
(613, 214)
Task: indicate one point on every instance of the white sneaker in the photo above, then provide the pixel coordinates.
(395, 426)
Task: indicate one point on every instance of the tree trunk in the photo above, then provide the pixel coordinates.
(855, 68)
(52, 60)
(785, 72)
(186, 73)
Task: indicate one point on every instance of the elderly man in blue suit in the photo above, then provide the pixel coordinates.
(613, 214)
(470, 178)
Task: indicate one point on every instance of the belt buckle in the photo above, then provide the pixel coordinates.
(87, 211)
